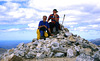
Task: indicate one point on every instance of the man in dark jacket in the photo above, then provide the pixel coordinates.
(54, 20)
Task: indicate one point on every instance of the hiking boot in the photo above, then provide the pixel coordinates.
(57, 32)
(42, 37)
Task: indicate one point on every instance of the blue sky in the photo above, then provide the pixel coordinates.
(19, 18)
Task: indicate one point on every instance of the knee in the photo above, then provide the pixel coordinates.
(56, 23)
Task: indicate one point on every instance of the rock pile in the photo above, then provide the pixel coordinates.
(64, 44)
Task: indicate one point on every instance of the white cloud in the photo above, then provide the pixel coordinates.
(12, 0)
(40, 8)
(9, 30)
(35, 25)
(70, 18)
(13, 29)
(15, 14)
(71, 23)
(2, 8)
(81, 28)
(30, 28)
(23, 21)
(12, 6)
(94, 26)
(27, 12)
(46, 5)
(76, 12)
(86, 28)
(2, 16)
(98, 19)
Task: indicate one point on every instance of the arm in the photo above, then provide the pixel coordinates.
(50, 32)
(42, 26)
(49, 29)
(49, 18)
(56, 17)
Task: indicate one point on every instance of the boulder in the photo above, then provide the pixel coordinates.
(34, 40)
(12, 57)
(72, 39)
(11, 51)
(84, 57)
(66, 29)
(85, 45)
(59, 55)
(70, 53)
(77, 48)
(40, 56)
(20, 45)
(87, 51)
(15, 58)
(30, 55)
(51, 54)
(0, 57)
(97, 56)
(68, 34)
(60, 37)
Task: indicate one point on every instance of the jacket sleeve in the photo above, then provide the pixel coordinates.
(49, 17)
(39, 23)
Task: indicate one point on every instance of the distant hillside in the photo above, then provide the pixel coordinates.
(96, 41)
(2, 50)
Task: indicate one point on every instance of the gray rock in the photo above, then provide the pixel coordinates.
(77, 48)
(12, 57)
(66, 29)
(68, 34)
(51, 54)
(21, 45)
(35, 43)
(34, 40)
(30, 55)
(59, 55)
(69, 43)
(84, 57)
(80, 39)
(97, 56)
(40, 56)
(55, 44)
(0, 56)
(85, 45)
(60, 37)
(16, 58)
(70, 53)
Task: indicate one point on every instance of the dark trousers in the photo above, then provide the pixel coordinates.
(52, 25)
(42, 29)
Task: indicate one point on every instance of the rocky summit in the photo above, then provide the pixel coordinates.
(63, 45)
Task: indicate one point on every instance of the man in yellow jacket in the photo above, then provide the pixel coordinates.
(43, 26)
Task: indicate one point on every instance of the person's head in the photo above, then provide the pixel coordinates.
(55, 11)
(44, 18)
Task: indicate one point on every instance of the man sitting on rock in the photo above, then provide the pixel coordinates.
(54, 20)
(43, 26)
